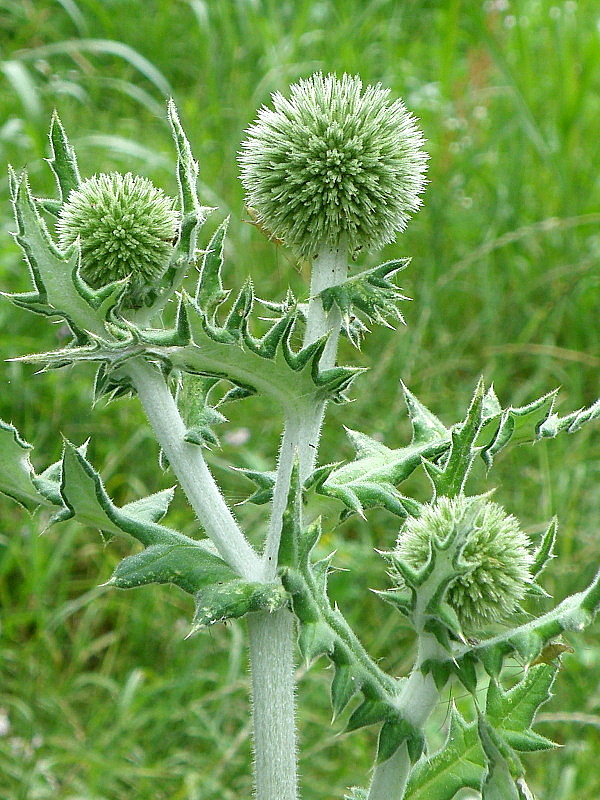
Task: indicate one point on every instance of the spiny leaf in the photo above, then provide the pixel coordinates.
(460, 762)
(189, 566)
(515, 426)
(16, 473)
(369, 293)
(514, 711)
(371, 479)
(151, 508)
(498, 783)
(264, 481)
(199, 416)
(570, 423)
(63, 160)
(322, 628)
(449, 480)
(394, 733)
(426, 426)
(85, 498)
(574, 613)
(456, 765)
(545, 551)
(59, 289)
(194, 214)
(235, 598)
(209, 291)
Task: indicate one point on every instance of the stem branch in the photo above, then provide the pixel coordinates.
(191, 470)
(272, 636)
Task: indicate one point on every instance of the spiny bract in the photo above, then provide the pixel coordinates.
(333, 163)
(493, 568)
(125, 227)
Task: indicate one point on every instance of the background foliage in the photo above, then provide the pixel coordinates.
(100, 697)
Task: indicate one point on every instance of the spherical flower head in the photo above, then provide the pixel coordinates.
(494, 564)
(125, 227)
(333, 163)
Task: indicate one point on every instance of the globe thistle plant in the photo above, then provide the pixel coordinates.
(334, 162)
(125, 227)
(494, 558)
(331, 169)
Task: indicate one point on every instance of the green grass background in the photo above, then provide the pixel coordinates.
(100, 696)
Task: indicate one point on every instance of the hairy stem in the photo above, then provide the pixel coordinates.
(417, 700)
(191, 470)
(272, 636)
(273, 704)
(302, 430)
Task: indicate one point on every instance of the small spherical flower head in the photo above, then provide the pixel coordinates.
(125, 227)
(494, 564)
(333, 163)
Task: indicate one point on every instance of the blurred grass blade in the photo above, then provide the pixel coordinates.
(24, 86)
(74, 13)
(108, 47)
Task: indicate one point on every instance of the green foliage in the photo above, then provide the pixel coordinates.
(168, 556)
(371, 293)
(461, 762)
(494, 303)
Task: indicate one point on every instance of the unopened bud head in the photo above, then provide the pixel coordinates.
(125, 227)
(493, 568)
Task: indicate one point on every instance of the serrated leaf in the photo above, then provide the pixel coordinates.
(63, 160)
(16, 472)
(189, 566)
(498, 783)
(234, 599)
(369, 293)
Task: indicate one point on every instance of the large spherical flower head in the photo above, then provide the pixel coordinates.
(125, 227)
(494, 563)
(333, 162)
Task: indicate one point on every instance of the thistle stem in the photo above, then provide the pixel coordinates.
(191, 470)
(302, 430)
(418, 698)
(272, 635)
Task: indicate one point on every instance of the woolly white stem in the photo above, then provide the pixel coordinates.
(417, 700)
(302, 430)
(191, 470)
(272, 636)
(274, 705)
